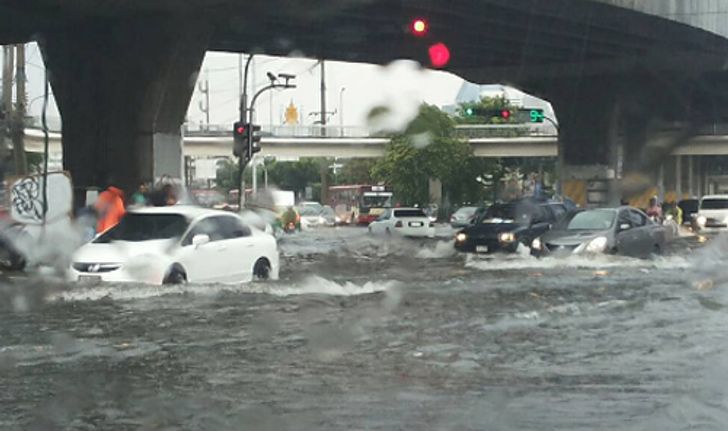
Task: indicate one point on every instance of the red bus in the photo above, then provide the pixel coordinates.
(359, 204)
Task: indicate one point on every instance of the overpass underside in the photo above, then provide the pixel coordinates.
(123, 72)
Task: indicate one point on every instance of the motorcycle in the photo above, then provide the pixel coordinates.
(289, 228)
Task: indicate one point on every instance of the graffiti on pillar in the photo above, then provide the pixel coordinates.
(25, 197)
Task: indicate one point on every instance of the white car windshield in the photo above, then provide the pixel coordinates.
(592, 220)
(145, 227)
(714, 204)
(410, 213)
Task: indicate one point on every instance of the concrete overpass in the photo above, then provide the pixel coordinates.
(123, 70)
(372, 147)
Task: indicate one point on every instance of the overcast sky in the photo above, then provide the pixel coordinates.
(402, 85)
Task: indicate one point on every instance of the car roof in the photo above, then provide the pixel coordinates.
(714, 197)
(188, 211)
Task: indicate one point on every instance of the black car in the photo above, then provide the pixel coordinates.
(503, 226)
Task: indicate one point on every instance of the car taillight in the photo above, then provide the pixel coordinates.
(398, 224)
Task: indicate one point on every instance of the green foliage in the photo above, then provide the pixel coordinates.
(427, 150)
(356, 171)
(296, 176)
(227, 177)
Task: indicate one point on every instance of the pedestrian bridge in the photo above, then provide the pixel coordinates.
(218, 144)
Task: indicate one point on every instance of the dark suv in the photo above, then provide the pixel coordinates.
(505, 225)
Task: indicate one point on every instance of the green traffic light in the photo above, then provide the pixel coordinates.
(469, 112)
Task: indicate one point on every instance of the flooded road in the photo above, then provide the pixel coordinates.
(368, 333)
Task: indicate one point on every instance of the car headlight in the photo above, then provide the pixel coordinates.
(702, 220)
(321, 220)
(669, 217)
(337, 219)
(461, 237)
(507, 237)
(597, 245)
(536, 244)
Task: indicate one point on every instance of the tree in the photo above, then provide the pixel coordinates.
(356, 171)
(428, 150)
(296, 176)
(228, 176)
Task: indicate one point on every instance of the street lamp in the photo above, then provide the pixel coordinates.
(274, 84)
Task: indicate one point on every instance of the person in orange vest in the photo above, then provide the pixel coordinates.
(110, 208)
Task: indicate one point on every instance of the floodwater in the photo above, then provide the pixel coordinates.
(379, 334)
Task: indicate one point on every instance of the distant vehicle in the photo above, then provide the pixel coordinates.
(504, 226)
(409, 222)
(359, 204)
(312, 217)
(311, 205)
(712, 213)
(209, 198)
(172, 245)
(463, 217)
(623, 230)
(689, 209)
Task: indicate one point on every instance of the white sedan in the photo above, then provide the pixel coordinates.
(170, 245)
(411, 222)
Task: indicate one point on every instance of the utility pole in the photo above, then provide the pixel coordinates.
(7, 103)
(205, 89)
(324, 168)
(18, 123)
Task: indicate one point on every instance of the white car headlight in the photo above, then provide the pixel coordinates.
(702, 220)
(461, 237)
(321, 220)
(597, 245)
(669, 217)
(507, 237)
(536, 244)
(337, 219)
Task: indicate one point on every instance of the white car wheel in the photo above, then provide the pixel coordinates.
(261, 269)
(176, 275)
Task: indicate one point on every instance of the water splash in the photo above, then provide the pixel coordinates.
(311, 285)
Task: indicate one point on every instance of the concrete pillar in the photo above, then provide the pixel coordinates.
(691, 177)
(123, 87)
(661, 182)
(678, 176)
(435, 186)
(588, 139)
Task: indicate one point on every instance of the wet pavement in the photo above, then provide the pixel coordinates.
(379, 334)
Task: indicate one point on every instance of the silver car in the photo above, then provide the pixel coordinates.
(623, 230)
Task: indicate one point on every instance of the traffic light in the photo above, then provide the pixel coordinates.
(487, 114)
(419, 27)
(246, 140)
(240, 138)
(253, 140)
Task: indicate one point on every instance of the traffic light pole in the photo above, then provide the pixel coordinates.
(247, 156)
(244, 118)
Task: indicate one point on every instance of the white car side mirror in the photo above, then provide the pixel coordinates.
(200, 239)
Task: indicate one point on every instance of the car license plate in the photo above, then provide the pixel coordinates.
(89, 279)
(481, 249)
(416, 224)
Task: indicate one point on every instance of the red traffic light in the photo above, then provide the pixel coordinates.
(506, 114)
(240, 130)
(439, 55)
(419, 27)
